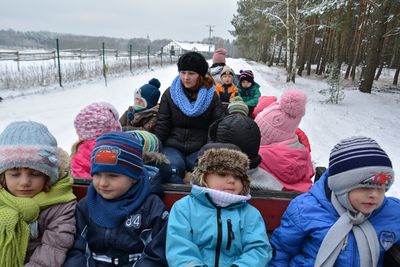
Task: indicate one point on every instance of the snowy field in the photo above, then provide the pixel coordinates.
(376, 115)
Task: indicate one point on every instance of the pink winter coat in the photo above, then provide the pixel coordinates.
(290, 164)
(80, 161)
(56, 226)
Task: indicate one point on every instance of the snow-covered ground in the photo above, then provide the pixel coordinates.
(376, 115)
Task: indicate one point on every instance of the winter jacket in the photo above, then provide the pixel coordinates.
(80, 161)
(201, 234)
(141, 237)
(56, 226)
(187, 134)
(303, 139)
(261, 179)
(139, 120)
(226, 93)
(290, 164)
(310, 216)
(250, 95)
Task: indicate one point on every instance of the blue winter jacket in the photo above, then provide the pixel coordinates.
(308, 219)
(141, 235)
(201, 234)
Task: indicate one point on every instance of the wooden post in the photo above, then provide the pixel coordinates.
(104, 65)
(130, 58)
(148, 57)
(58, 61)
(17, 54)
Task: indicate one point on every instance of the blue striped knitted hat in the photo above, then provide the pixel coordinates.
(358, 162)
(117, 152)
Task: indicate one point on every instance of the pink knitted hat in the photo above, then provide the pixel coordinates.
(279, 121)
(95, 120)
(219, 56)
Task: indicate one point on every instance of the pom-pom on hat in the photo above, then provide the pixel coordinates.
(219, 56)
(193, 61)
(95, 120)
(149, 93)
(117, 152)
(246, 75)
(149, 141)
(223, 160)
(279, 121)
(237, 106)
(29, 144)
(358, 162)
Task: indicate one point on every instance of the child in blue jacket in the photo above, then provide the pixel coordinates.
(345, 219)
(214, 225)
(119, 222)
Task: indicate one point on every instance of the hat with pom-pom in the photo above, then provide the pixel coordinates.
(149, 93)
(219, 56)
(29, 144)
(237, 106)
(263, 102)
(95, 120)
(279, 121)
(193, 61)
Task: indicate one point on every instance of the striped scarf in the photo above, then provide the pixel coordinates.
(191, 109)
(16, 213)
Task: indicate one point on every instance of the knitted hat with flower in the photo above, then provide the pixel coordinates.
(279, 121)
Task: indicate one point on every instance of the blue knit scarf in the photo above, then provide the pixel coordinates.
(111, 213)
(191, 109)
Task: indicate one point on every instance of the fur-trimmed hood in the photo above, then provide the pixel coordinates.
(154, 158)
(223, 160)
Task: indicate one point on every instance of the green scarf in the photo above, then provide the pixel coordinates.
(17, 212)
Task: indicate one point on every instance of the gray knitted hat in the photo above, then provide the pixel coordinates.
(28, 144)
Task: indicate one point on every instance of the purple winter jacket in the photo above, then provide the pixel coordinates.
(57, 229)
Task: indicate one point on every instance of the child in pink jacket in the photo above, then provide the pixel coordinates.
(282, 154)
(91, 122)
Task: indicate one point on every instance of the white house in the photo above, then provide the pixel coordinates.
(176, 48)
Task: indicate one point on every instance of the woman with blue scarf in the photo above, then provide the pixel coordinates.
(187, 108)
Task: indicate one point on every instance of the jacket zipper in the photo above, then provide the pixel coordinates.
(219, 239)
(231, 235)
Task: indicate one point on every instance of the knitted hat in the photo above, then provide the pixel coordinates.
(358, 162)
(263, 102)
(241, 131)
(246, 75)
(227, 71)
(279, 121)
(29, 144)
(149, 93)
(219, 56)
(237, 106)
(95, 120)
(193, 61)
(223, 160)
(117, 152)
(149, 141)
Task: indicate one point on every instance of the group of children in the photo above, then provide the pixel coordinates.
(343, 220)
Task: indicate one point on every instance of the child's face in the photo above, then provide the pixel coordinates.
(139, 102)
(224, 182)
(227, 78)
(24, 182)
(366, 200)
(112, 185)
(189, 78)
(245, 84)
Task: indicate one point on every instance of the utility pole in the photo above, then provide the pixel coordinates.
(210, 30)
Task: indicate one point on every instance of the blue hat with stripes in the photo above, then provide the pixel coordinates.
(359, 162)
(117, 152)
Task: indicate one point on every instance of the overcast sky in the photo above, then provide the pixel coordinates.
(184, 20)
